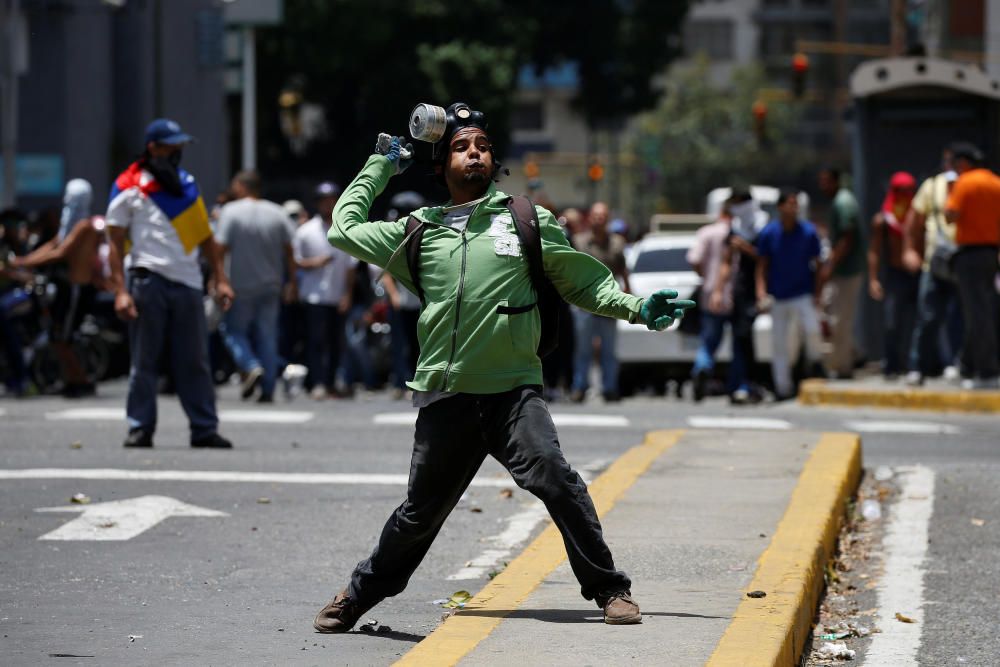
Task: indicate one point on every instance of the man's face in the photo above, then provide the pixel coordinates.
(163, 150)
(789, 208)
(324, 206)
(599, 217)
(827, 183)
(946, 160)
(470, 159)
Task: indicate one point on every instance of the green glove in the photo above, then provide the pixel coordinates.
(661, 309)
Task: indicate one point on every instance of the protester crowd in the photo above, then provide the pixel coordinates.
(931, 254)
(288, 312)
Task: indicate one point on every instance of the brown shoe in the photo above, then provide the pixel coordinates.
(621, 609)
(341, 614)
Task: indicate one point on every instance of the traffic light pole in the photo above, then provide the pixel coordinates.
(249, 98)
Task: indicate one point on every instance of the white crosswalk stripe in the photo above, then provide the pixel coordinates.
(560, 419)
(750, 423)
(230, 416)
(901, 427)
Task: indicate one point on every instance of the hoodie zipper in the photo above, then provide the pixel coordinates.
(458, 305)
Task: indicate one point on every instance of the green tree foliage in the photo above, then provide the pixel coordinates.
(368, 62)
(702, 136)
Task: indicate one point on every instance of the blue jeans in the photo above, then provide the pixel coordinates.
(254, 317)
(169, 310)
(927, 353)
(587, 326)
(357, 363)
(712, 329)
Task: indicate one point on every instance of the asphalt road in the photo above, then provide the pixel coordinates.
(244, 587)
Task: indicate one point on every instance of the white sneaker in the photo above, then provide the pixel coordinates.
(952, 374)
(974, 384)
(914, 379)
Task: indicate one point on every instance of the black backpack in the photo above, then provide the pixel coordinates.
(525, 218)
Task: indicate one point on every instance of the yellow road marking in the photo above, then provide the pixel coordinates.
(772, 630)
(461, 633)
(819, 392)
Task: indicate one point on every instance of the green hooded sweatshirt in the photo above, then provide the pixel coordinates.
(466, 345)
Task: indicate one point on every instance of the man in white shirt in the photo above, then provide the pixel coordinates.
(326, 283)
(157, 206)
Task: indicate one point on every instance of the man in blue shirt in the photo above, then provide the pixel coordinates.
(789, 250)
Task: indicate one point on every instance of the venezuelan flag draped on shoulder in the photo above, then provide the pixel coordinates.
(187, 212)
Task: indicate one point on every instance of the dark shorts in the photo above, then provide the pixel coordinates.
(71, 305)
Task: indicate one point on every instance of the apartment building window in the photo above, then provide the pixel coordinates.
(713, 37)
(528, 116)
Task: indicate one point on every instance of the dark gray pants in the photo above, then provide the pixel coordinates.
(975, 268)
(453, 437)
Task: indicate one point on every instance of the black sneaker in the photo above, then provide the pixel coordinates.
(214, 441)
(700, 383)
(138, 438)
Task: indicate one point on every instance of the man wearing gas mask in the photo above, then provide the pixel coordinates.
(478, 378)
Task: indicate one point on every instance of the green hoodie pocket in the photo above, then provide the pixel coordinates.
(523, 325)
(434, 328)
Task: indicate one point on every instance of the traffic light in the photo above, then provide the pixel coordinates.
(759, 110)
(595, 172)
(800, 67)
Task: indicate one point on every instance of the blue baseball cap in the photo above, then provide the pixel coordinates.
(166, 131)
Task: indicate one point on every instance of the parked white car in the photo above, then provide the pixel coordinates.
(651, 357)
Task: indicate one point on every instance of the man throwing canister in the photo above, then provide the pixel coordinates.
(478, 382)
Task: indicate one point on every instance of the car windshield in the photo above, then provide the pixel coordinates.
(661, 259)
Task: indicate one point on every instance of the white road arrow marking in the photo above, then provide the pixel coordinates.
(559, 419)
(121, 519)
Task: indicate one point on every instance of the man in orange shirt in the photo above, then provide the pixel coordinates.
(974, 207)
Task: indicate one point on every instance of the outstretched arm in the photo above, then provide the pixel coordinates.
(588, 284)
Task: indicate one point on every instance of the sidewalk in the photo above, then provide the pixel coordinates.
(937, 395)
(698, 519)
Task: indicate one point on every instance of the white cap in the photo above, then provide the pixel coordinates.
(293, 207)
(951, 176)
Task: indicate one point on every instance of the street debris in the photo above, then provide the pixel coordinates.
(458, 600)
(978, 522)
(837, 650)
(844, 624)
(132, 638)
(373, 627)
(80, 499)
(871, 510)
(107, 524)
(756, 594)
(263, 501)
(76, 444)
(902, 618)
(883, 474)
(476, 509)
(506, 493)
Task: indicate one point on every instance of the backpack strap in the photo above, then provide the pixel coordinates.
(526, 223)
(414, 236)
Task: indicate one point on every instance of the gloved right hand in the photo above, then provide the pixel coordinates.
(399, 155)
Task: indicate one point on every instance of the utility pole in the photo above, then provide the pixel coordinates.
(10, 12)
(249, 98)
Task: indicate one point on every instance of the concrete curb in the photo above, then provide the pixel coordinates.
(821, 392)
(773, 630)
